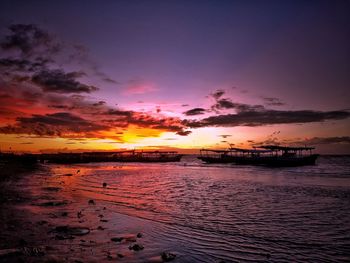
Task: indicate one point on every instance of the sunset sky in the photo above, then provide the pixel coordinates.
(181, 75)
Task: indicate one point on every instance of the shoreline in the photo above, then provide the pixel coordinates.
(43, 227)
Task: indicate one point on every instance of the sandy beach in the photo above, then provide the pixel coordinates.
(45, 224)
(176, 212)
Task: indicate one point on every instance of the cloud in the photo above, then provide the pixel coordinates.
(139, 86)
(61, 124)
(183, 133)
(28, 39)
(61, 82)
(218, 94)
(195, 111)
(267, 117)
(271, 101)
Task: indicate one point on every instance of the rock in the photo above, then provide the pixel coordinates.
(167, 256)
(117, 239)
(73, 231)
(101, 228)
(78, 171)
(104, 185)
(68, 175)
(104, 220)
(139, 235)
(136, 247)
(64, 214)
(91, 202)
(120, 255)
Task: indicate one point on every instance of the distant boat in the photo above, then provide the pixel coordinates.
(268, 155)
(120, 156)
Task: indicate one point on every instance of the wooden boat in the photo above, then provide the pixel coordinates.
(120, 156)
(215, 156)
(268, 155)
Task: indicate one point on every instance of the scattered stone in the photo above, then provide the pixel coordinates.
(117, 239)
(73, 231)
(104, 185)
(64, 214)
(91, 202)
(79, 214)
(101, 228)
(120, 255)
(139, 235)
(68, 175)
(136, 247)
(104, 208)
(167, 256)
(78, 171)
(103, 220)
(100, 216)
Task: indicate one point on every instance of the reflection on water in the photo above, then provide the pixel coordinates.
(234, 213)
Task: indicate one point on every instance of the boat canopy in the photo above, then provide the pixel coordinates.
(285, 148)
(250, 150)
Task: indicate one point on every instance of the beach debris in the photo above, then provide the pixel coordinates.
(167, 256)
(104, 185)
(91, 202)
(139, 235)
(117, 239)
(68, 232)
(80, 214)
(53, 203)
(136, 247)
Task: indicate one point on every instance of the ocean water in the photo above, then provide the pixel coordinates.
(209, 213)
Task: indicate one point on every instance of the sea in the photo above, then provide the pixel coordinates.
(222, 212)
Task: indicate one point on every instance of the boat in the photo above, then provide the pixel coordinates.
(120, 156)
(216, 156)
(267, 155)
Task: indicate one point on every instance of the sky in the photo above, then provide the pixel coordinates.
(184, 75)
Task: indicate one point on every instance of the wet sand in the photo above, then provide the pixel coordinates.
(187, 212)
(40, 224)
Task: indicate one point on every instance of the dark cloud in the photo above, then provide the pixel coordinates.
(61, 82)
(267, 117)
(225, 136)
(224, 104)
(28, 39)
(183, 133)
(16, 64)
(218, 94)
(271, 101)
(61, 124)
(195, 111)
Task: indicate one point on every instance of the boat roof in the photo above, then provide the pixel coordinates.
(286, 148)
(250, 150)
(216, 151)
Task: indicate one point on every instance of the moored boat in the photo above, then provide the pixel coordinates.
(268, 155)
